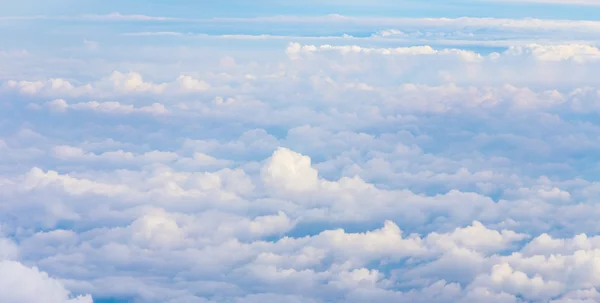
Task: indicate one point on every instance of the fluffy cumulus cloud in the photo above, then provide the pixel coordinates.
(299, 159)
(21, 283)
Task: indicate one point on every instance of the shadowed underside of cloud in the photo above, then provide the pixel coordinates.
(339, 169)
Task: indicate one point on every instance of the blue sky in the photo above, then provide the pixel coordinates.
(241, 8)
(299, 151)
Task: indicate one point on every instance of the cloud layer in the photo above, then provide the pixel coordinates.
(325, 159)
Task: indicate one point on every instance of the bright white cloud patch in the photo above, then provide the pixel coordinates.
(23, 284)
(20, 283)
(299, 159)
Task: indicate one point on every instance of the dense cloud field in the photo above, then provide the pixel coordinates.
(146, 158)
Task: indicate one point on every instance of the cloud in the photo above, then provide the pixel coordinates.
(446, 23)
(23, 284)
(133, 82)
(577, 53)
(115, 16)
(20, 283)
(8, 250)
(301, 159)
(75, 153)
(191, 84)
(60, 105)
(339, 257)
(116, 84)
(290, 171)
(56, 85)
(294, 49)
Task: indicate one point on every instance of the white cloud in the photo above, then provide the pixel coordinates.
(376, 166)
(116, 84)
(23, 284)
(335, 256)
(8, 250)
(74, 153)
(294, 49)
(157, 229)
(53, 86)
(504, 278)
(37, 178)
(133, 82)
(445, 23)
(576, 52)
(109, 107)
(290, 171)
(58, 105)
(115, 16)
(203, 160)
(191, 84)
(476, 237)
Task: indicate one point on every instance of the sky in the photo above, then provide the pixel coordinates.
(299, 151)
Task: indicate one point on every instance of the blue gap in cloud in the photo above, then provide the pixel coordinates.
(113, 300)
